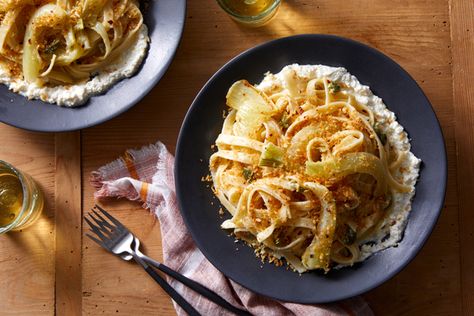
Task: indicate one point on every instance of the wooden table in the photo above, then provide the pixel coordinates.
(50, 268)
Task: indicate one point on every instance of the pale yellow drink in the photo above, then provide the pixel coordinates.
(21, 201)
(250, 12)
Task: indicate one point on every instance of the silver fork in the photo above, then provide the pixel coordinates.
(116, 238)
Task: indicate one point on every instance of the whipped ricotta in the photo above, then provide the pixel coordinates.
(74, 95)
(394, 224)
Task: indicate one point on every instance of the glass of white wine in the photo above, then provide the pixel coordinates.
(21, 201)
(250, 12)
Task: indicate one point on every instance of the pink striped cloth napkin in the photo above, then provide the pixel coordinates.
(147, 175)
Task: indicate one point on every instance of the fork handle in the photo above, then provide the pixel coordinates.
(204, 291)
(197, 287)
(168, 289)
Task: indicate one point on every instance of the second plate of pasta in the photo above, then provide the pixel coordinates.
(95, 59)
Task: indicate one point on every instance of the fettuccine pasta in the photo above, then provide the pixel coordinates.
(305, 170)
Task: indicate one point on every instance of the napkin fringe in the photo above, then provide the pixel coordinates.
(97, 178)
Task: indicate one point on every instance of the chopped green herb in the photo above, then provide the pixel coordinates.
(284, 121)
(349, 235)
(52, 47)
(248, 174)
(382, 136)
(300, 189)
(334, 87)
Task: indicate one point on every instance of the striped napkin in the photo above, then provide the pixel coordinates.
(147, 175)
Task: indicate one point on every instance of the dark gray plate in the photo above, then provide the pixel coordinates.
(203, 123)
(165, 21)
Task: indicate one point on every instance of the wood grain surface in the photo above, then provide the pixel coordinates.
(463, 67)
(68, 224)
(431, 39)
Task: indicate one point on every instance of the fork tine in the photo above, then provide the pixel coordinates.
(95, 229)
(95, 239)
(115, 221)
(104, 221)
(104, 226)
